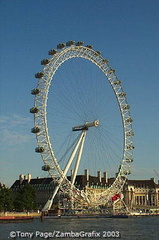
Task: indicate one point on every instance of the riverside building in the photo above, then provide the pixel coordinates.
(138, 194)
(142, 195)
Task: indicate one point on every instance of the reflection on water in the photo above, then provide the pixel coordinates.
(139, 228)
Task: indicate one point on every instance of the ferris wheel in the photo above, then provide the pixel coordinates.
(81, 115)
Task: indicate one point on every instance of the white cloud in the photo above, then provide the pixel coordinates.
(14, 138)
(15, 130)
(14, 120)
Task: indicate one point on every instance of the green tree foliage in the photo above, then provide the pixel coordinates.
(25, 199)
(6, 203)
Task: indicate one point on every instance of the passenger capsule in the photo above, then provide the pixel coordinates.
(126, 107)
(97, 53)
(130, 147)
(34, 110)
(52, 52)
(35, 130)
(111, 71)
(128, 160)
(45, 61)
(39, 75)
(129, 120)
(104, 61)
(61, 45)
(89, 46)
(130, 134)
(35, 91)
(69, 43)
(45, 168)
(80, 43)
(122, 94)
(118, 82)
(39, 149)
(126, 172)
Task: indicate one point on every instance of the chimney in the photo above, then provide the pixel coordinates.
(99, 174)
(105, 175)
(153, 179)
(29, 177)
(21, 178)
(87, 174)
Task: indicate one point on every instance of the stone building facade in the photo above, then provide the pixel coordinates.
(142, 194)
(43, 188)
(138, 194)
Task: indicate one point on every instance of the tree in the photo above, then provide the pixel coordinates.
(25, 198)
(6, 203)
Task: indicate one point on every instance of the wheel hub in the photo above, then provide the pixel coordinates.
(86, 126)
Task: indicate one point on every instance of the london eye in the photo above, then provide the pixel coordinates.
(82, 121)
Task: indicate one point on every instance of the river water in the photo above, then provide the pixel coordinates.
(136, 228)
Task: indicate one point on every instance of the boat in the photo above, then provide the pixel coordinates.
(10, 219)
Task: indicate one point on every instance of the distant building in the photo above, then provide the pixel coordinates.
(142, 194)
(43, 187)
(138, 194)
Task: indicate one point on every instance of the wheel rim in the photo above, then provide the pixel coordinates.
(40, 118)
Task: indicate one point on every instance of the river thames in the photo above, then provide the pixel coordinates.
(136, 228)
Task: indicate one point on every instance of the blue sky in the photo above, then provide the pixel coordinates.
(126, 32)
